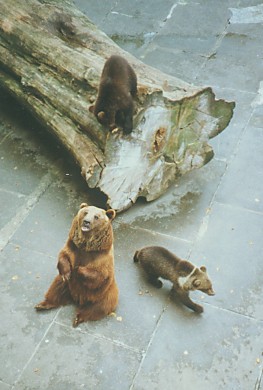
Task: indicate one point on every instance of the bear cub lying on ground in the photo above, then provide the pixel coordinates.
(118, 86)
(159, 262)
(86, 267)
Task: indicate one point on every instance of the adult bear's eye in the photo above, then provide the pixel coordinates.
(96, 217)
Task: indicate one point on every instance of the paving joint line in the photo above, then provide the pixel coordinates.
(214, 48)
(153, 232)
(35, 351)
(7, 232)
(149, 345)
(258, 382)
(206, 218)
(231, 311)
(101, 336)
(233, 206)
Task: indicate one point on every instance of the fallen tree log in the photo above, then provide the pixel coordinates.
(51, 57)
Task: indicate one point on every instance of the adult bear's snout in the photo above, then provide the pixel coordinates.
(86, 225)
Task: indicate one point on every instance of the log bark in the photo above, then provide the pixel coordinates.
(51, 58)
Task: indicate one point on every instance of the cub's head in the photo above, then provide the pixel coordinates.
(200, 281)
(91, 217)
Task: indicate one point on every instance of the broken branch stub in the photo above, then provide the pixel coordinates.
(51, 58)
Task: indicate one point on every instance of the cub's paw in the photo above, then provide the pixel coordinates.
(159, 283)
(198, 309)
(156, 282)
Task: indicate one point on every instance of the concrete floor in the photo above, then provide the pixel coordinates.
(213, 216)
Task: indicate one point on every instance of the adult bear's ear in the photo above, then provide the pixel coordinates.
(83, 205)
(111, 214)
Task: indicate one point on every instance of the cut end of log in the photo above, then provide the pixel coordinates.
(169, 139)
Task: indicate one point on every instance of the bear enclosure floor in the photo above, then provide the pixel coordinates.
(212, 216)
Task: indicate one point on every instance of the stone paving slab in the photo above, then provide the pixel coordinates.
(49, 220)
(179, 212)
(206, 19)
(257, 118)
(242, 184)
(9, 198)
(225, 144)
(218, 350)
(239, 45)
(21, 329)
(24, 171)
(98, 358)
(230, 243)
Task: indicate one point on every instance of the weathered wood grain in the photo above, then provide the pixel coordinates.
(51, 57)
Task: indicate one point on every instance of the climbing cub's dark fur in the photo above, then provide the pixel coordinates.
(159, 262)
(118, 86)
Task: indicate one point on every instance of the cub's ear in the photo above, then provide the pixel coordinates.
(101, 115)
(111, 214)
(203, 268)
(196, 283)
(91, 109)
(83, 205)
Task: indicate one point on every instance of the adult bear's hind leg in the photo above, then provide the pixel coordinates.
(97, 310)
(57, 295)
(90, 312)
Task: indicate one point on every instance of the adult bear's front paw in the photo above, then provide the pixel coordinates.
(66, 276)
(64, 268)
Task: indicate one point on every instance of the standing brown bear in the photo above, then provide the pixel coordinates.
(86, 267)
(118, 86)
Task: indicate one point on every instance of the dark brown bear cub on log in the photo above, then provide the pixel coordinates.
(118, 86)
(86, 267)
(159, 262)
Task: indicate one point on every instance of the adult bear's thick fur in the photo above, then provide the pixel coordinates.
(86, 267)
